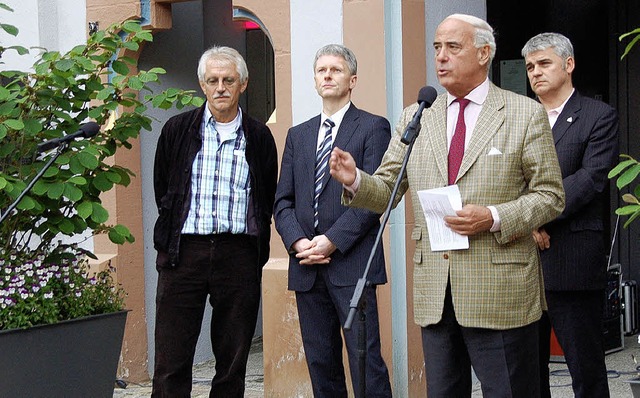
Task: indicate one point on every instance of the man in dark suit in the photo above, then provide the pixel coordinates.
(573, 249)
(330, 244)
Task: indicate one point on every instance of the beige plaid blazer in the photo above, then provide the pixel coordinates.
(497, 282)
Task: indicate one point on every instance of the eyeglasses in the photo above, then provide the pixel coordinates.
(226, 81)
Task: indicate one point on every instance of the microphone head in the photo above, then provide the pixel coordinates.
(90, 129)
(427, 95)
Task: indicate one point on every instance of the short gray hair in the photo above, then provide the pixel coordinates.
(560, 44)
(226, 55)
(484, 33)
(338, 50)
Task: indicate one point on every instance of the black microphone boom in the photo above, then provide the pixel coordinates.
(87, 130)
(426, 96)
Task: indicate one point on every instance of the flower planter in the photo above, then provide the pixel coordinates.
(76, 358)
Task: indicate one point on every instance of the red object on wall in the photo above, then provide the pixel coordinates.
(556, 352)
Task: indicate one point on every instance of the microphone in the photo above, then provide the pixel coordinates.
(426, 96)
(87, 130)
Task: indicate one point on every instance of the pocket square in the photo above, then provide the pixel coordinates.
(494, 151)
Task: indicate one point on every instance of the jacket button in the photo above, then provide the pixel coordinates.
(445, 256)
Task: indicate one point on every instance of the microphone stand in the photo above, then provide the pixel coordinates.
(358, 303)
(61, 148)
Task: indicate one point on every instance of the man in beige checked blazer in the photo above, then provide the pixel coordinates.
(477, 307)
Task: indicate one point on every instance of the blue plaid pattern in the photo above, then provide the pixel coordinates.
(219, 184)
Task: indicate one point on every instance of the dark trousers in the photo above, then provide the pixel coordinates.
(576, 317)
(322, 312)
(225, 267)
(505, 361)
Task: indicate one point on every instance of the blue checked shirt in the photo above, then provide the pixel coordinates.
(219, 181)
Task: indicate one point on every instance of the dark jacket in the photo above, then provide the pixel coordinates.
(586, 139)
(178, 145)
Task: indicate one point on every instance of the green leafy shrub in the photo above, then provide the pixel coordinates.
(96, 81)
(628, 169)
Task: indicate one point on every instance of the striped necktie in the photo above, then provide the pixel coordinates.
(322, 160)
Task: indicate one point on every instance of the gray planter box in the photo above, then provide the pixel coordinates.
(76, 358)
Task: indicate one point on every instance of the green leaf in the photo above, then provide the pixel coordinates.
(32, 126)
(3, 182)
(633, 217)
(131, 26)
(119, 234)
(67, 227)
(55, 190)
(40, 187)
(77, 180)
(80, 224)
(626, 210)
(105, 93)
(628, 198)
(120, 67)
(631, 43)
(157, 70)
(144, 35)
(72, 192)
(10, 29)
(26, 203)
(19, 49)
(4, 93)
(51, 171)
(628, 176)
(14, 124)
(99, 213)
(64, 64)
(3, 131)
(102, 183)
(621, 166)
(84, 209)
(115, 237)
(113, 176)
(135, 83)
(88, 160)
(6, 7)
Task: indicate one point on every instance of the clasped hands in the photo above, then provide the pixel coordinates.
(315, 251)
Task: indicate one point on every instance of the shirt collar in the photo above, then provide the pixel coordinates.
(478, 95)
(336, 117)
(208, 116)
(559, 109)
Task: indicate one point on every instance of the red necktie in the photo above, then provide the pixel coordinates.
(456, 150)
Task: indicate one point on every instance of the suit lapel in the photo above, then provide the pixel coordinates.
(569, 115)
(489, 121)
(437, 117)
(341, 138)
(309, 148)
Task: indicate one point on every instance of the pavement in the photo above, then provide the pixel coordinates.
(620, 365)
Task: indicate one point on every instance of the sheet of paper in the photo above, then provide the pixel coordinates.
(437, 203)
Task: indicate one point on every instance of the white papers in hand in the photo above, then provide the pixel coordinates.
(437, 203)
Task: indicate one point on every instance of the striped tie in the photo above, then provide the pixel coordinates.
(322, 159)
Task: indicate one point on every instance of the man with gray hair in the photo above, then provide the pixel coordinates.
(329, 244)
(214, 179)
(478, 307)
(573, 247)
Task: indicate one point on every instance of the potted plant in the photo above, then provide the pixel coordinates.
(51, 192)
(626, 173)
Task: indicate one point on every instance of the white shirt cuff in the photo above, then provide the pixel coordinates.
(496, 219)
